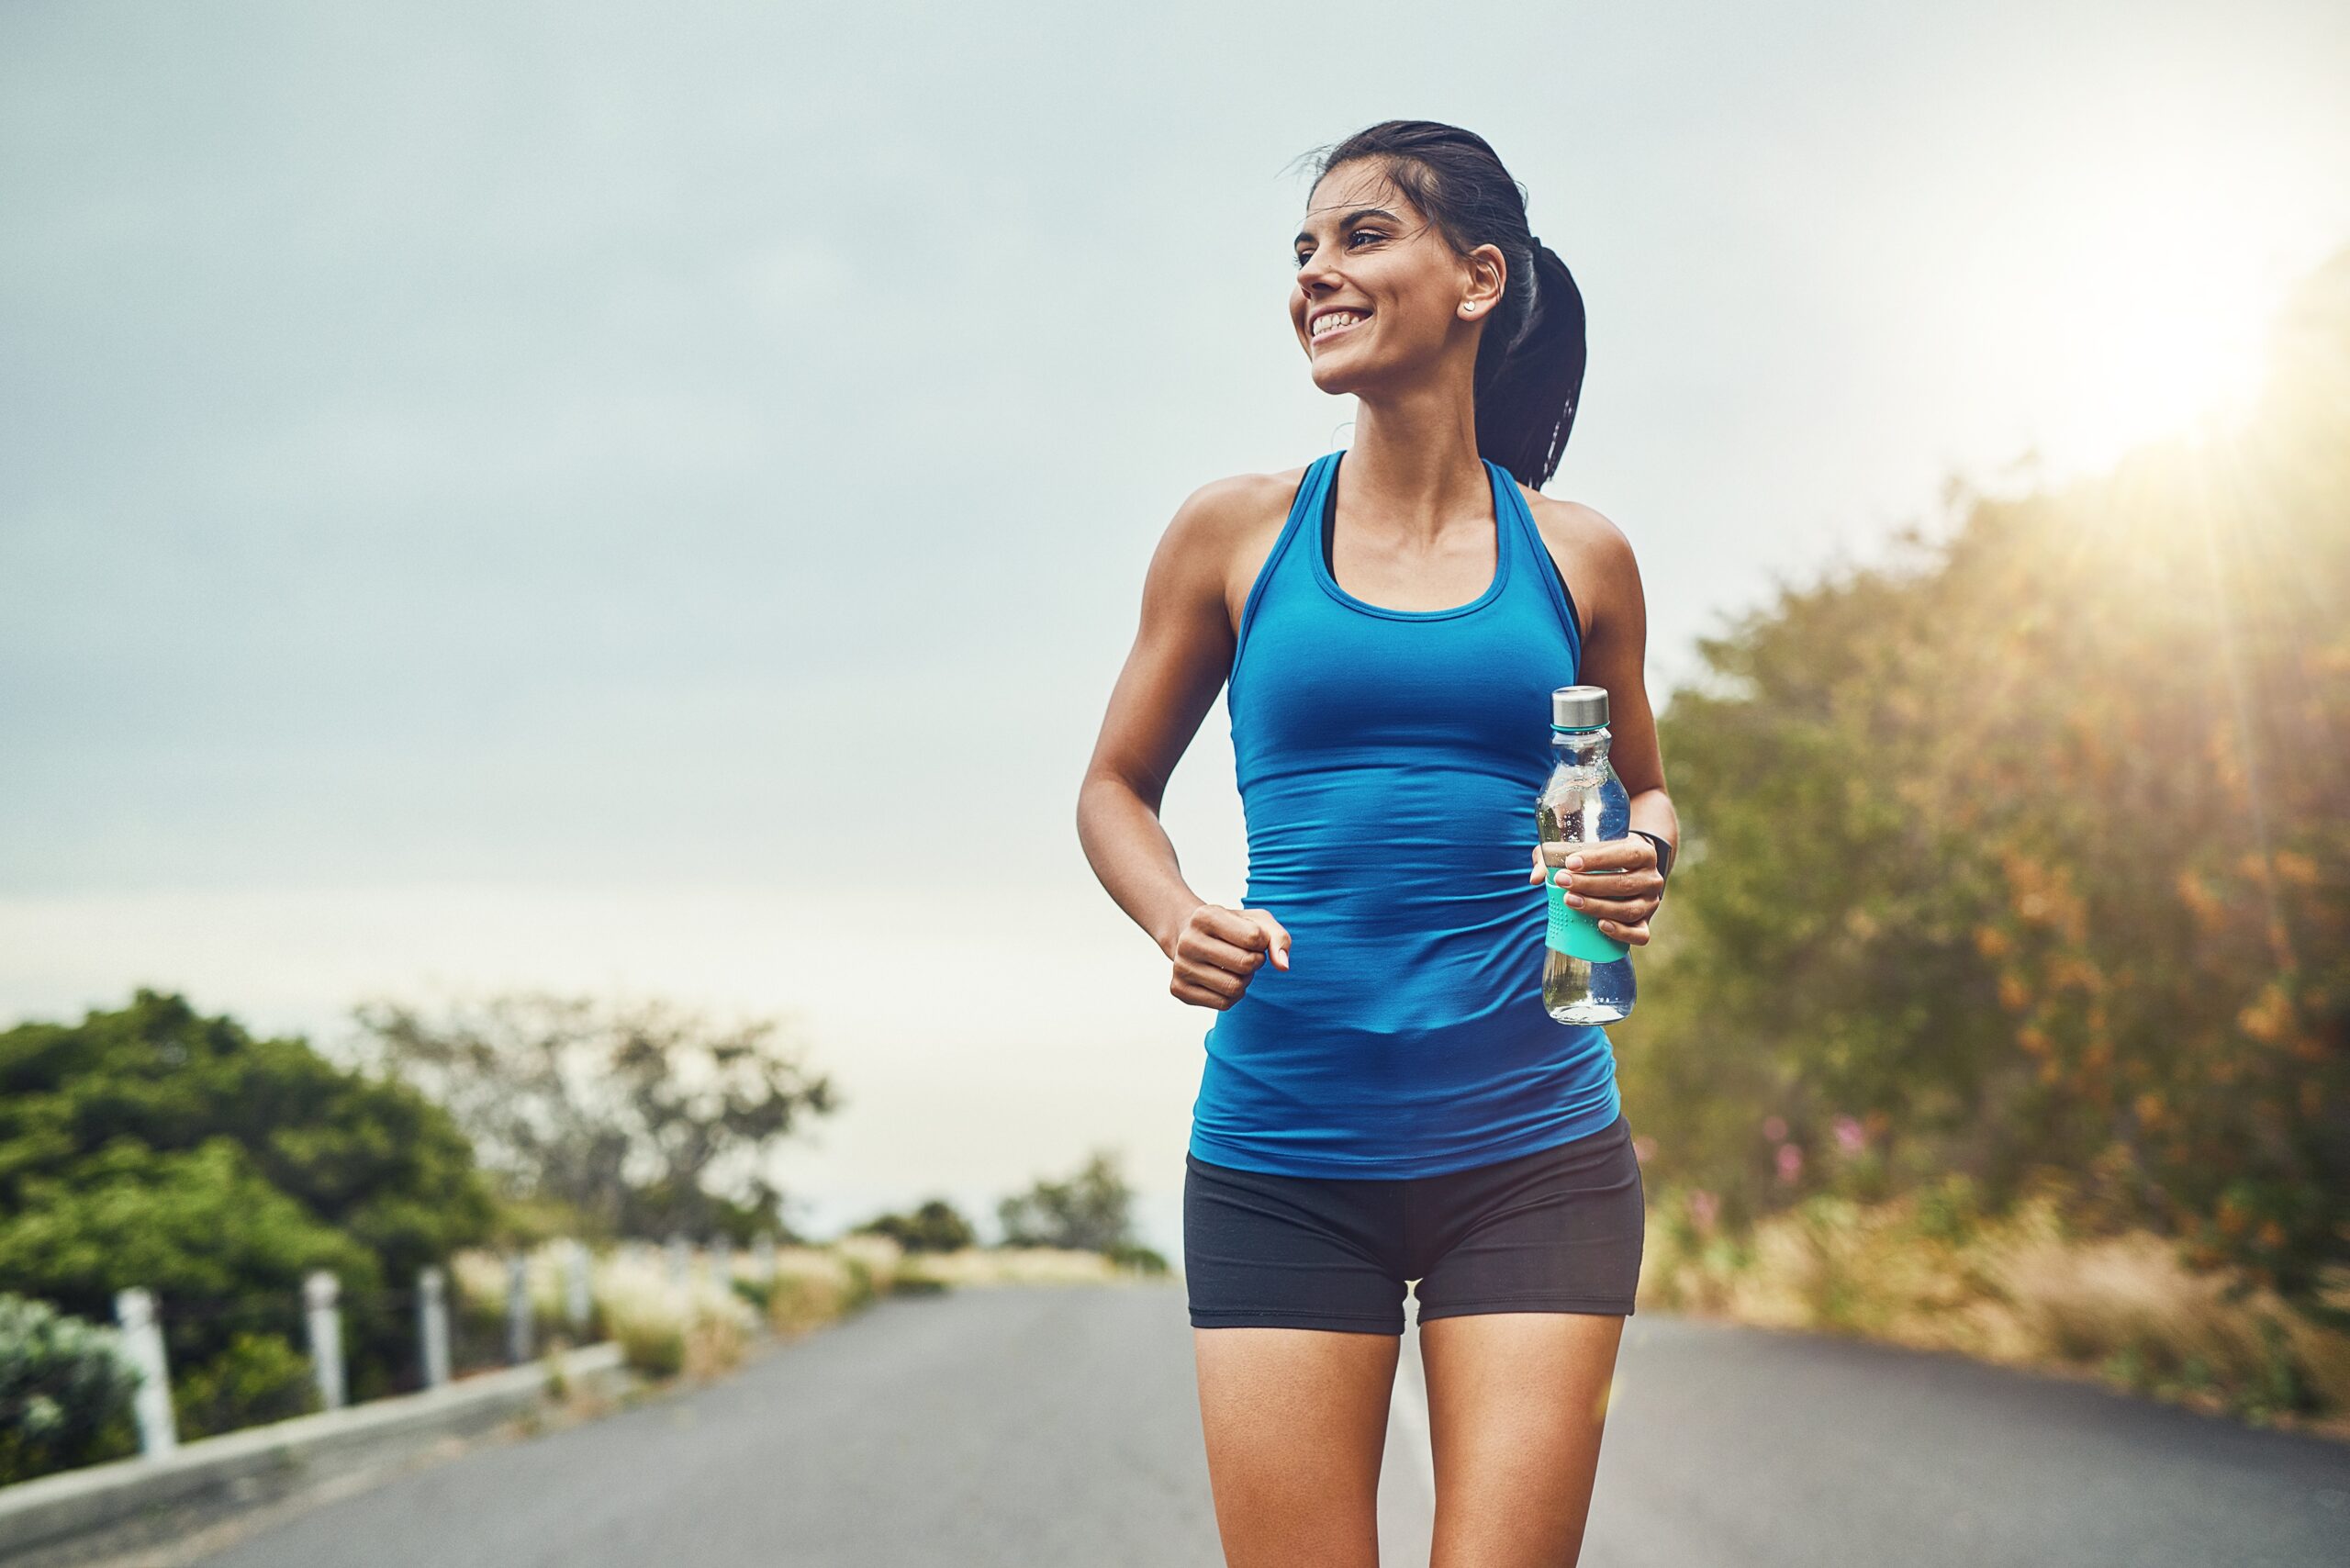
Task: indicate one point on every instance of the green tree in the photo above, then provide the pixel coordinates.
(935, 1227)
(2028, 857)
(1091, 1210)
(152, 1147)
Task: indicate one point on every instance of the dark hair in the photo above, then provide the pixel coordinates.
(1530, 360)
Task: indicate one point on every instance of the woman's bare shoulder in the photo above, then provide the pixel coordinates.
(1227, 529)
(1594, 554)
(1233, 506)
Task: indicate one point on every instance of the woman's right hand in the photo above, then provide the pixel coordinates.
(1217, 948)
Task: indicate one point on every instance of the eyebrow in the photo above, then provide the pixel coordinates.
(1350, 219)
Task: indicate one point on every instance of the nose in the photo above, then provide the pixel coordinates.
(1313, 275)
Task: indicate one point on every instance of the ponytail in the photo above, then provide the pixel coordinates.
(1529, 378)
(1530, 359)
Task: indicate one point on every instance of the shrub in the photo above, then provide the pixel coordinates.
(65, 1392)
(259, 1377)
(150, 1147)
(1135, 1255)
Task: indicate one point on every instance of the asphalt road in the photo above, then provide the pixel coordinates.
(1050, 1427)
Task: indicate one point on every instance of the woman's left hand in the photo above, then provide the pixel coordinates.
(1615, 881)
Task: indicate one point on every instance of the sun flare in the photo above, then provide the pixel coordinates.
(2138, 316)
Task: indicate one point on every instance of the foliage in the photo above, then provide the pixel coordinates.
(1093, 1210)
(640, 1120)
(2028, 862)
(151, 1147)
(259, 1377)
(65, 1392)
(1142, 1259)
(937, 1227)
(2025, 1287)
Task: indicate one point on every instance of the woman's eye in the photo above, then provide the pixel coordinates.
(1299, 260)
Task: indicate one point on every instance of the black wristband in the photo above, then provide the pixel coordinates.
(1663, 851)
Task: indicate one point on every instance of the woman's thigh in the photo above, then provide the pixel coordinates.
(1297, 1314)
(1297, 1423)
(1531, 1267)
(1517, 1402)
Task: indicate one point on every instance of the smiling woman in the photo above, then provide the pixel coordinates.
(1387, 1109)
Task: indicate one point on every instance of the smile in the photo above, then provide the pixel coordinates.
(1335, 322)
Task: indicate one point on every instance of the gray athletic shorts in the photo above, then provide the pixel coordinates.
(1557, 1231)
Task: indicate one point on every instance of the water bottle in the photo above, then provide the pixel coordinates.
(1587, 974)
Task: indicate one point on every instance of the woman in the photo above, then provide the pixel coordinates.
(1389, 1101)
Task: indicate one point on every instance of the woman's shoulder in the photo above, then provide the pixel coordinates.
(1594, 554)
(1573, 525)
(1584, 541)
(1237, 504)
(1228, 526)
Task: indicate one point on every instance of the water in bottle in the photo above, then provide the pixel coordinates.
(1587, 974)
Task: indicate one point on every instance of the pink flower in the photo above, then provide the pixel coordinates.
(1790, 1162)
(1774, 1128)
(1849, 1136)
(1703, 1207)
(1643, 1148)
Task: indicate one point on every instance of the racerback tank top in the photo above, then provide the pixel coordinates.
(1388, 762)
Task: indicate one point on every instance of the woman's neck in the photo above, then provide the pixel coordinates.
(1412, 464)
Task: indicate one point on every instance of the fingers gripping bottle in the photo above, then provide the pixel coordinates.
(1587, 974)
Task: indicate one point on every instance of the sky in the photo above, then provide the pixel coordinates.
(653, 499)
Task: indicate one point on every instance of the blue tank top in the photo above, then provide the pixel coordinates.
(1388, 762)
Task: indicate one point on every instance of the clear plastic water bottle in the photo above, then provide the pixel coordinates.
(1587, 974)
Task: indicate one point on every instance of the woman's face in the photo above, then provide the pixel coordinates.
(1379, 298)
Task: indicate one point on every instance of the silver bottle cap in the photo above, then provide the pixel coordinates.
(1578, 708)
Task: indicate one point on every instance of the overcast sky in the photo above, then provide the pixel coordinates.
(653, 499)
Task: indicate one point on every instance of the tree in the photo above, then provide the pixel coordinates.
(937, 1227)
(1091, 1210)
(2032, 862)
(638, 1119)
(151, 1147)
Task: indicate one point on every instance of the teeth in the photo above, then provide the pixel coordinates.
(1335, 318)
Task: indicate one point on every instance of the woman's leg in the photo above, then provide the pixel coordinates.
(1517, 1401)
(1531, 1266)
(1296, 1421)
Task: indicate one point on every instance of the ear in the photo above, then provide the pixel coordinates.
(1484, 273)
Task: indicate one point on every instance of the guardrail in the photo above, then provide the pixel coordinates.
(78, 1513)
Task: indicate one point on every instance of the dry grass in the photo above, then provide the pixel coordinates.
(664, 1327)
(1016, 1266)
(2019, 1289)
(705, 1325)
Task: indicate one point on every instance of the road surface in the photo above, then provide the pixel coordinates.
(1059, 1426)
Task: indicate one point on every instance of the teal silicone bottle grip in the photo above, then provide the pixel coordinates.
(1577, 934)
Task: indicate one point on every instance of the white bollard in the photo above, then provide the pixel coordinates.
(721, 1262)
(432, 1324)
(680, 1261)
(320, 1292)
(579, 1302)
(518, 1309)
(763, 1259)
(143, 1339)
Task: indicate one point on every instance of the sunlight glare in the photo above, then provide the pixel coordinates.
(2145, 314)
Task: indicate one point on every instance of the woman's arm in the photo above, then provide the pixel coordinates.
(1180, 656)
(1615, 655)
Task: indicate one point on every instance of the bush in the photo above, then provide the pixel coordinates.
(259, 1378)
(937, 1227)
(150, 1147)
(65, 1392)
(1133, 1255)
(663, 1328)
